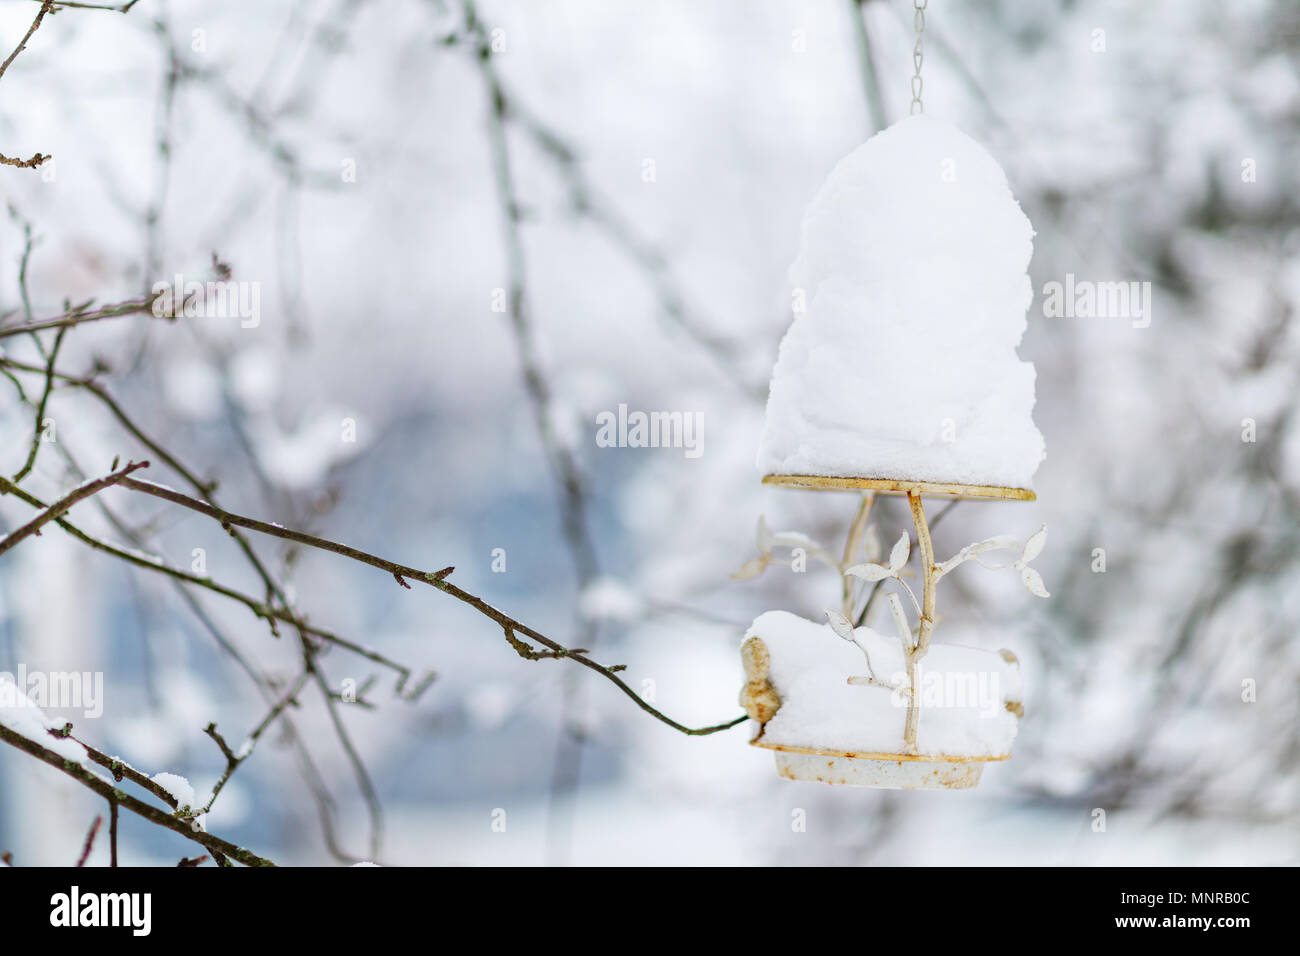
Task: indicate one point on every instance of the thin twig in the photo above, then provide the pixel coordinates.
(369, 793)
(80, 5)
(564, 466)
(112, 831)
(122, 770)
(40, 408)
(226, 518)
(80, 316)
(233, 759)
(90, 841)
(22, 44)
(510, 626)
(35, 160)
(57, 510)
(877, 118)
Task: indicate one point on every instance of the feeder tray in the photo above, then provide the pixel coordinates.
(897, 486)
(801, 754)
(880, 770)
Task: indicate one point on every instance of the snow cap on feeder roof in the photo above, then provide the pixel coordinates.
(902, 364)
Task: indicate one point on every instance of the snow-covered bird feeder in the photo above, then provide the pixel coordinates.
(899, 375)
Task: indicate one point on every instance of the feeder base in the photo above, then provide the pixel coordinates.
(910, 774)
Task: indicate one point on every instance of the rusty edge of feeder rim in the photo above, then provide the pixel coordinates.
(867, 755)
(898, 486)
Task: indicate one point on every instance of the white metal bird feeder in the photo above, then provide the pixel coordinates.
(898, 376)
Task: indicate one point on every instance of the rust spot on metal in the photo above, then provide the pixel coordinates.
(758, 697)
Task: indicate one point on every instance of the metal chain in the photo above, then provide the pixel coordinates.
(918, 54)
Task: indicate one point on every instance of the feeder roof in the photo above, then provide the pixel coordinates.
(911, 291)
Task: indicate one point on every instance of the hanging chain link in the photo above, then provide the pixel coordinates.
(918, 54)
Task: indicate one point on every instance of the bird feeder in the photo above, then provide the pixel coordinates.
(899, 376)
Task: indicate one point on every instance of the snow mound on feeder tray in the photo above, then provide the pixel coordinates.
(903, 362)
(965, 693)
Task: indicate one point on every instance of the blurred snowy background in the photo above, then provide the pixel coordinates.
(662, 154)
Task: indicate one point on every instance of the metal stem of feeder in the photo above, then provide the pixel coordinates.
(869, 487)
(856, 530)
(926, 626)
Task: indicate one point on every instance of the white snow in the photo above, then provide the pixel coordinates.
(963, 700)
(178, 786)
(302, 457)
(608, 599)
(490, 703)
(192, 387)
(255, 378)
(19, 713)
(903, 365)
(142, 555)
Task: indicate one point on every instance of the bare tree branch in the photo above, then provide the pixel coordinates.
(60, 507)
(90, 841)
(80, 316)
(35, 160)
(118, 797)
(39, 423)
(46, 5)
